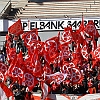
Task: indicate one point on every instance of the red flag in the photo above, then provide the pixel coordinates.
(27, 65)
(3, 67)
(30, 36)
(20, 57)
(35, 45)
(96, 54)
(29, 80)
(94, 45)
(74, 75)
(66, 35)
(76, 55)
(2, 77)
(6, 90)
(16, 28)
(11, 54)
(15, 71)
(50, 48)
(84, 51)
(47, 69)
(90, 29)
(56, 77)
(65, 51)
(36, 64)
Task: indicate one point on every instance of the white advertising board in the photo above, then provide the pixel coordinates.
(1, 25)
(54, 24)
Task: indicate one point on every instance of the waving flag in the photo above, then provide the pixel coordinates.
(20, 58)
(56, 77)
(96, 53)
(65, 51)
(11, 54)
(74, 74)
(66, 35)
(15, 71)
(5, 90)
(3, 67)
(16, 28)
(35, 45)
(84, 51)
(50, 48)
(36, 64)
(29, 80)
(91, 30)
(30, 36)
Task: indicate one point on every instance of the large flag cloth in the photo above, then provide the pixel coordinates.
(56, 77)
(5, 91)
(16, 28)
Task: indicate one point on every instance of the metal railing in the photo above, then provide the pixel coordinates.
(6, 7)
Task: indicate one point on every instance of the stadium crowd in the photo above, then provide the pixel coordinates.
(89, 84)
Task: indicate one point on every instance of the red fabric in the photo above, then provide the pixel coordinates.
(7, 91)
(56, 77)
(66, 35)
(90, 83)
(3, 67)
(95, 53)
(35, 45)
(54, 87)
(29, 80)
(15, 71)
(65, 51)
(27, 65)
(36, 64)
(11, 54)
(73, 73)
(47, 69)
(30, 36)
(20, 57)
(94, 45)
(76, 55)
(90, 29)
(50, 49)
(16, 28)
(84, 51)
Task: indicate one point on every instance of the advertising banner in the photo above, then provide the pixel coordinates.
(54, 24)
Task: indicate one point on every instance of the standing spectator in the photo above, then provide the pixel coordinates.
(15, 39)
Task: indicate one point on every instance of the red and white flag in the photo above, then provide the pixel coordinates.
(16, 28)
(5, 92)
(56, 77)
(91, 30)
(66, 35)
(45, 90)
(84, 51)
(30, 36)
